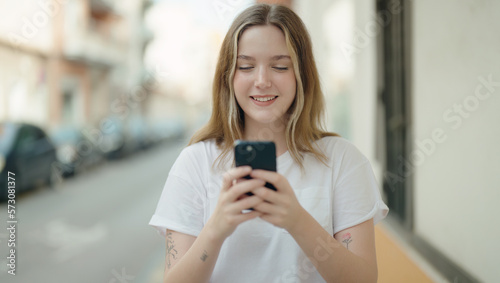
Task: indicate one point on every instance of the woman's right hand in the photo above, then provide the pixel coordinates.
(228, 212)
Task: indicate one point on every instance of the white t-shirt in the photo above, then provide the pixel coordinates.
(338, 197)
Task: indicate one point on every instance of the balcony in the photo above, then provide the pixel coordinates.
(94, 33)
(101, 8)
(92, 47)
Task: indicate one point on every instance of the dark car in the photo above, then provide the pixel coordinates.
(114, 139)
(123, 137)
(26, 151)
(75, 152)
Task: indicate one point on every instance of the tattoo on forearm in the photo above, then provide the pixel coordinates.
(204, 255)
(171, 251)
(346, 239)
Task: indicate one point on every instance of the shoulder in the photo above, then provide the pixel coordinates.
(195, 161)
(340, 148)
(195, 155)
(198, 149)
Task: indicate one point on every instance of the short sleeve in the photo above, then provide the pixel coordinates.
(181, 206)
(356, 196)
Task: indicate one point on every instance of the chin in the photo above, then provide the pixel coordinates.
(266, 119)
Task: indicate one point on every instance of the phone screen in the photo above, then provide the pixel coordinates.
(256, 154)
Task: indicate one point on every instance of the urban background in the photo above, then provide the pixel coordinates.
(98, 97)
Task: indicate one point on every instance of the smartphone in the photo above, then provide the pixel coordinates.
(258, 155)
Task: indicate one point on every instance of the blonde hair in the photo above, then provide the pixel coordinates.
(305, 116)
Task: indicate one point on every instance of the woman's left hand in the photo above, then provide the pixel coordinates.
(280, 208)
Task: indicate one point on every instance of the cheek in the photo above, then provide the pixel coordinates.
(240, 86)
(287, 84)
(240, 83)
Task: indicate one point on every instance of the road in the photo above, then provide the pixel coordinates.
(92, 228)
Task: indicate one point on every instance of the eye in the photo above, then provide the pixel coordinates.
(245, 68)
(281, 68)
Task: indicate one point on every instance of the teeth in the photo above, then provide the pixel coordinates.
(263, 99)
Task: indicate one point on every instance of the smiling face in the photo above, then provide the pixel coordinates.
(264, 80)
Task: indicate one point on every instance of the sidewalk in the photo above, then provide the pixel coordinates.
(398, 263)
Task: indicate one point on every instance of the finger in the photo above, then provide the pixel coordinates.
(247, 216)
(268, 176)
(244, 187)
(243, 196)
(240, 180)
(267, 194)
(234, 174)
(266, 208)
(243, 204)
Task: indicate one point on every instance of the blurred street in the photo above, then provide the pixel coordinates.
(93, 227)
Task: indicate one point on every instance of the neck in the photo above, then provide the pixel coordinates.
(267, 132)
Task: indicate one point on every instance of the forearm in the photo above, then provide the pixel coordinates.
(333, 261)
(198, 263)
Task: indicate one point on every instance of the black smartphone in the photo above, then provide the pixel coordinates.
(256, 154)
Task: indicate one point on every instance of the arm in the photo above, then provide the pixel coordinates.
(192, 259)
(353, 260)
(189, 258)
(347, 257)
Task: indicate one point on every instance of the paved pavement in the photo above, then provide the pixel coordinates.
(93, 227)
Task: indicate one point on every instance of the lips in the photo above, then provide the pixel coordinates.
(263, 100)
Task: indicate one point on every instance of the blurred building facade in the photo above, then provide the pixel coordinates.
(67, 62)
(421, 84)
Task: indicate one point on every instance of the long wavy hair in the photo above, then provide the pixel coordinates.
(304, 118)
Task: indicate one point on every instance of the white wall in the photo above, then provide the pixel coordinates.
(27, 23)
(364, 81)
(23, 87)
(457, 181)
(346, 64)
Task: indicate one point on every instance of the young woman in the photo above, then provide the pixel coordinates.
(318, 225)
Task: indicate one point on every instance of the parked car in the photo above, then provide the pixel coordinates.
(169, 130)
(26, 151)
(124, 137)
(114, 139)
(74, 151)
(140, 133)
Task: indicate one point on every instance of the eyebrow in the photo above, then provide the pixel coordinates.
(274, 58)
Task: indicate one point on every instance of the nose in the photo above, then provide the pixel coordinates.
(262, 80)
